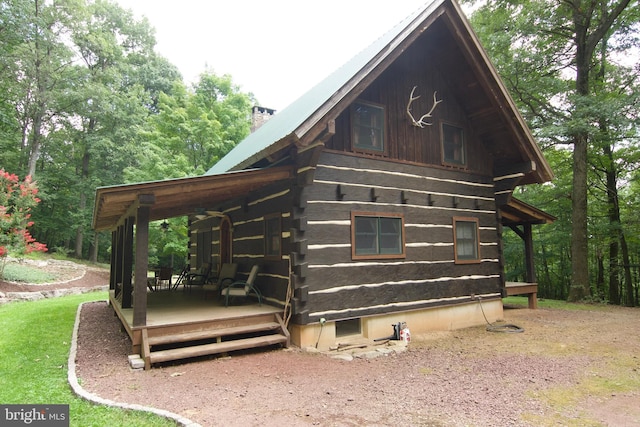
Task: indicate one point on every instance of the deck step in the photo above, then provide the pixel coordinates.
(212, 333)
(215, 348)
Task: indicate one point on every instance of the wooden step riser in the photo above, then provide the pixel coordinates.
(208, 325)
(215, 348)
(212, 333)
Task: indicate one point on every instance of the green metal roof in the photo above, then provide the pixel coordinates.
(286, 122)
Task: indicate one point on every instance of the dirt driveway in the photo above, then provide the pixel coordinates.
(569, 368)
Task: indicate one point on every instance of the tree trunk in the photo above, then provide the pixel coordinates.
(93, 248)
(614, 224)
(600, 275)
(83, 195)
(630, 300)
(40, 96)
(80, 229)
(579, 288)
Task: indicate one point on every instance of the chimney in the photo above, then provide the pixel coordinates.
(259, 116)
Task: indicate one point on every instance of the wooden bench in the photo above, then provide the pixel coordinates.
(528, 289)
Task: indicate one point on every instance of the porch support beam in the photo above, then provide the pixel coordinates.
(112, 260)
(528, 254)
(526, 235)
(127, 261)
(142, 259)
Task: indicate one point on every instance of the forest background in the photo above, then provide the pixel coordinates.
(85, 101)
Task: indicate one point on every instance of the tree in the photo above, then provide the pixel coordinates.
(17, 198)
(193, 129)
(547, 52)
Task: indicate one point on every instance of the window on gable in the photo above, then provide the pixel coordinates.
(272, 236)
(453, 145)
(367, 127)
(466, 240)
(375, 236)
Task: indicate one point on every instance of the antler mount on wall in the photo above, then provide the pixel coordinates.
(421, 122)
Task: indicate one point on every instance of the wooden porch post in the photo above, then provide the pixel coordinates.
(528, 254)
(112, 261)
(117, 252)
(127, 261)
(142, 260)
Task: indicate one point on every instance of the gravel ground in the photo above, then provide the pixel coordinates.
(569, 368)
(471, 377)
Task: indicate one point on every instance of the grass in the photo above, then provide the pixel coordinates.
(554, 304)
(34, 348)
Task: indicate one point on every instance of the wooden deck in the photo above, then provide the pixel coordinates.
(198, 324)
(528, 289)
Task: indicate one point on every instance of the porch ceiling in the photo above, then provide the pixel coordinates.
(178, 197)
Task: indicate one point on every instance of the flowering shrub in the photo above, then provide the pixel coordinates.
(17, 198)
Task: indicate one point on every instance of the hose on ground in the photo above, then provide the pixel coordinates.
(507, 327)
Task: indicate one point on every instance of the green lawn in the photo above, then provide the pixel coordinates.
(34, 348)
(550, 303)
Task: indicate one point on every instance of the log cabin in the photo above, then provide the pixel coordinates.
(377, 197)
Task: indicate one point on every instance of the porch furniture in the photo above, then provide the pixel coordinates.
(182, 277)
(163, 277)
(227, 276)
(243, 289)
(200, 278)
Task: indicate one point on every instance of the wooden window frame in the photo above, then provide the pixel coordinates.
(447, 161)
(359, 149)
(466, 260)
(355, 256)
(271, 252)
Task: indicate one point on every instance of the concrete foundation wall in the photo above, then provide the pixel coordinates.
(418, 321)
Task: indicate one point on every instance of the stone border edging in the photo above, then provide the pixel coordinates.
(7, 297)
(82, 393)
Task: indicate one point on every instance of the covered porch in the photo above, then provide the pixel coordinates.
(520, 217)
(172, 324)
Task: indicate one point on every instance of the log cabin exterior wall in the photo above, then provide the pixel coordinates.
(342, 288)
(247, 216)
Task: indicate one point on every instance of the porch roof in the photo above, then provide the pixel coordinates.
(178, 197)
(517, 212)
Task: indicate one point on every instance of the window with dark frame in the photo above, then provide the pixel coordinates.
(466, 240)
(375, 236)
(453, 145)
(367, 127)
(204, 239)
(272, 236)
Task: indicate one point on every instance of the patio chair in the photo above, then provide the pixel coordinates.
(200, 278)
(163, 277)
(227, 276)
(243, 289)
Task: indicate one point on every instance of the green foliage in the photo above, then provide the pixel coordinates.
(569, 88)
(17, 198)
(16, 272)
(34, 348)
(192, 130)
(86, 102)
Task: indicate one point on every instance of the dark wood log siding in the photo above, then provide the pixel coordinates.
(405, 142)
(247, 222)
(341, 288)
